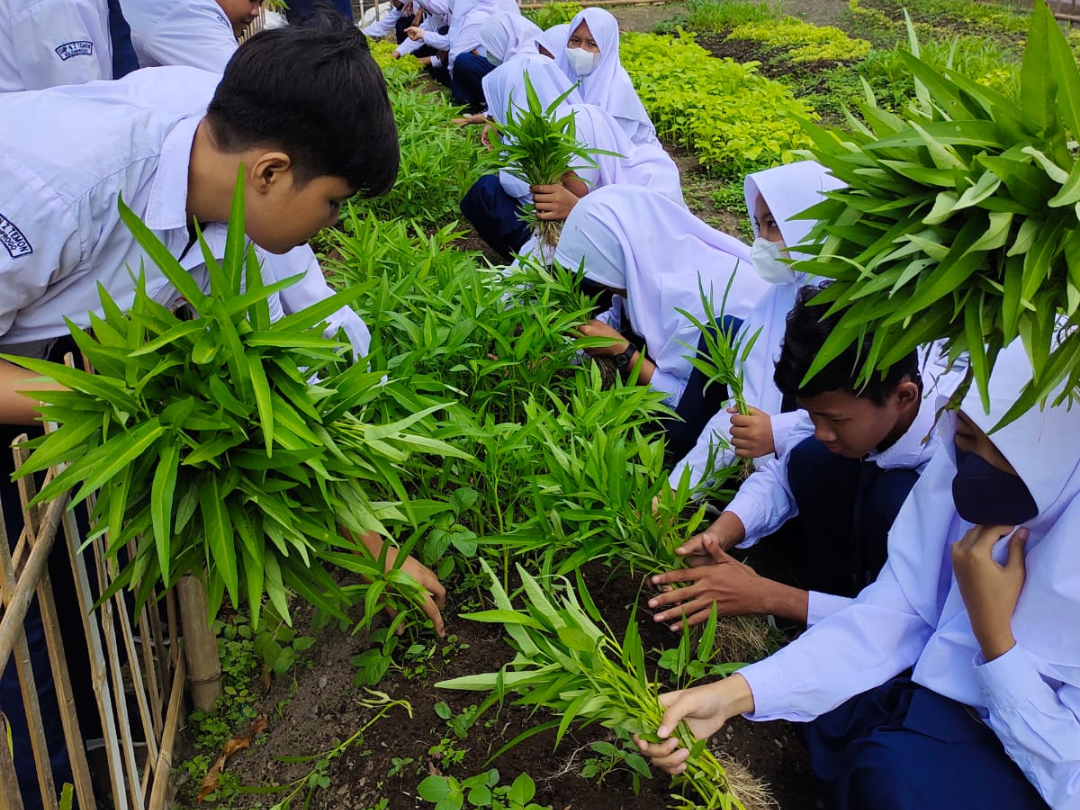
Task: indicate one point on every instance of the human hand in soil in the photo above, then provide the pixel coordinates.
(990, 591)
(595, 328)
(553, 202)
(733, 587)
(752, 435)
(434, 592)
(414, 33)
(726, 531)
(704, 709)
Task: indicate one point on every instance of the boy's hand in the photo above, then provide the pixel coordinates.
(725, 532)
(990, 591)
(575, 185)
(704, 709)
(485, 136)
(414, 33)
(553, 202)
(595, 328)
(733, 587)
(752, 435)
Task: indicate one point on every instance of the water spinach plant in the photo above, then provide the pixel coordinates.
(960, 220)
(568, 661)
(226, 444)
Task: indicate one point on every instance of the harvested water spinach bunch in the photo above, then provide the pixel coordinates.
(540, 147)
(227, 444)
(960, 221)
(569, 662)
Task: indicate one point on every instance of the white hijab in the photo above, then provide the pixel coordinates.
(505, 36)
(1044, 447)
(788, 190)
(554, 39)
(629, 164)
(663, 256)
(467, 17)
(609, 86)
(507, 82)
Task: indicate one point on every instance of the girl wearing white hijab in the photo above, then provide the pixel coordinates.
(492, 204)
(591, 56)
(981, 597)
(773, 198)
(506, 36)
(622, 237)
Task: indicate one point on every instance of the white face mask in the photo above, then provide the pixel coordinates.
(766, 258)
(582, 62)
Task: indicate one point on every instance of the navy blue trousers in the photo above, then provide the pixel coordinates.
(468, 73)
(846, 508)
(903, 747)
(495, 215)
(124, 60)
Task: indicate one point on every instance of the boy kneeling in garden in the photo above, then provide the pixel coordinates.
(846, 483)
(953, 681)
(303, 112)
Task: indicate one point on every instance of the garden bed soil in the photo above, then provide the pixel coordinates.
(316, 705)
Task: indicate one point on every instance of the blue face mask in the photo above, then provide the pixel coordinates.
(987, 496)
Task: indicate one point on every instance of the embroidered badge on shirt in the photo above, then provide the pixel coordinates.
(80, 47)
(12, 238)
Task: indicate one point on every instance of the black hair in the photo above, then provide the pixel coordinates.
(806, 332)
(314, 92)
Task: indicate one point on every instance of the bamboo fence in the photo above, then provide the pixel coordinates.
(137, 670)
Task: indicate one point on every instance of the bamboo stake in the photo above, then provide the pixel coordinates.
(54, 644)
(10, 797)
(16, 597)
(97, 662)
(200, 645)
(160, 792)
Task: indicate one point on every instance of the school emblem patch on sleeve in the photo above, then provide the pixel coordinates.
(12, 239)
(80, 47)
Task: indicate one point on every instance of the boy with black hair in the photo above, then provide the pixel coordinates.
(302, 112)
(846, 482)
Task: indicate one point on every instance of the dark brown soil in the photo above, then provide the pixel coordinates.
(322, 707)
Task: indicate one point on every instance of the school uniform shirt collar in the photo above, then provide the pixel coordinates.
(913, 450)
(166, 208)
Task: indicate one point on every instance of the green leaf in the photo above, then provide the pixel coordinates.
(162, 492)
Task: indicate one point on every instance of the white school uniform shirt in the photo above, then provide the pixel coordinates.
(788, 190)
(914, 616)
(631, 238)
(47, 43)
(60, 231)
(765, 501)
(195, 33)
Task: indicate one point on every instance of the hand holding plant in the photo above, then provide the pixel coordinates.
(751, 433)
(702, 710)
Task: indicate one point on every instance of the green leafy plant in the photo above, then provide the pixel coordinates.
(482, 790)
(568, 662)
(802, 42)
(611, 757)
(539, 147)
(225, 444)
(550, 14)
(960, 221)
(733, 118)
